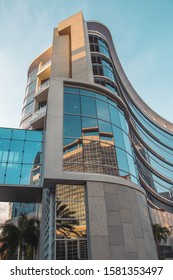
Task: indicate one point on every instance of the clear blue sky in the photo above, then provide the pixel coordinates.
(142, 32)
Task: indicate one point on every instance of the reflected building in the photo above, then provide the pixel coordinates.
(107, 157)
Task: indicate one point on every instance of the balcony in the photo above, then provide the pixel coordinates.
(37, 119)
(44, 71)
(42, 92)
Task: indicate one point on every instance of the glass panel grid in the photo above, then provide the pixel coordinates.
(97, 141)
(20, 156)
(71, 237)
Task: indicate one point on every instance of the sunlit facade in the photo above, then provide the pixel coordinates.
(107, 163)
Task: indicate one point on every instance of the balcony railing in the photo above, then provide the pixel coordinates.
(42, 87)
(39, 114)
(44, 66)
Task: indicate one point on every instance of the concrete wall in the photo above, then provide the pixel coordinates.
(119, 223)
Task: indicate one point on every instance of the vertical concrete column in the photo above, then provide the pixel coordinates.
(53, 151)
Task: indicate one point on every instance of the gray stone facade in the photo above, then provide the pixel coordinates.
(119, 223)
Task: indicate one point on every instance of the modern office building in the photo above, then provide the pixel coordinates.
(103, 171)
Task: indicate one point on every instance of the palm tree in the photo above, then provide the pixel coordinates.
(22, 239)
(9, 242)
(160, 234)
(65, 219)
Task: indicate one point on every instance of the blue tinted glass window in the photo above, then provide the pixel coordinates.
(18, 134)
(118, 137)
(68, 141)
(111, 88)
(89, 122)
(162, 135)
(26, 174)
(122, 162)
(156, 146)
(102, 97)
(5, 133)
(115, 119)
(34, 135)
(31, 150)
(4, 149)
(104, 51)
(108, 73)
(102, 110)
(127, 143)
(71, 89)
(102, 43)
(87, 92)
(72, 126)
(88, 106)
(105, 126)
(2, 172)
(107, 64)
(72, 103)
(161, 162)
(15, 153)
(131, 165)
(123, 122)
(13, 173)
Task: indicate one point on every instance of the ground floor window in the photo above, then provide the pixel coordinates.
(70, 217)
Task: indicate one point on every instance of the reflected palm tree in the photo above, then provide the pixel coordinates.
(66, 220)
(160, 235)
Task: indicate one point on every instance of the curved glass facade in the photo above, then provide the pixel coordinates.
(96, 135)
(153, 147)
(103, 71)
(152, 144)
(28, 104)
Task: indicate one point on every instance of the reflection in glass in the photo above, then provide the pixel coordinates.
(20, 158)
(4, 149)
(72, 126)
(15, 153)
(13, 173)
(88, 106)
(2, 172)
(30, 151)
(72, 103)
(102, 110)
(118, 136)
(89, 123)
(122, 162)
(71, 238)
(92, 147)
(105, 126)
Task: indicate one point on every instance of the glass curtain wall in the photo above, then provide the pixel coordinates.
(28, 104)
(20, 156)
(96, 135)
(153, 151)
